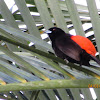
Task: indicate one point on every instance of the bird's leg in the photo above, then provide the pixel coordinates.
(80, 64)
(67, 63)
(81, 58)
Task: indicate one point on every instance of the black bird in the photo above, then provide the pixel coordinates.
(75, 49)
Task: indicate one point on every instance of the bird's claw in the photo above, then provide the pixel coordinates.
(67, 63)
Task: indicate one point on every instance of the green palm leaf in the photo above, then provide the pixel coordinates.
(34, 72)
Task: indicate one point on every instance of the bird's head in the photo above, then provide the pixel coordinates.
(54, 32)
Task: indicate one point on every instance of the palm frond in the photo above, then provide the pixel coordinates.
(34, 72)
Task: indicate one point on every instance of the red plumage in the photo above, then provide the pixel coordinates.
(85, 44)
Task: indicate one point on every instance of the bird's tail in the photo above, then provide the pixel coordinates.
(95, 59)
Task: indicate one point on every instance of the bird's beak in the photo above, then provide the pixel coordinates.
(48, 31)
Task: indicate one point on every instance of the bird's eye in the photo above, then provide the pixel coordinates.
(54, 29)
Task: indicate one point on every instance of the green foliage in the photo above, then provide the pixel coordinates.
(35, 68)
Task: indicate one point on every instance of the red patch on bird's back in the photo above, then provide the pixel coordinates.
(85, 44)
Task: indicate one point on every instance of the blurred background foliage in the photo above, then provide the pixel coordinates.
(26, 54)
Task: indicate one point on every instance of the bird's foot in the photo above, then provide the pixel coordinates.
(67, 63)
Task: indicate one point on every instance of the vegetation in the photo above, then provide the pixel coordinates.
(34, 72)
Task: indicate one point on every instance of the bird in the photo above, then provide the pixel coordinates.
(72, 48)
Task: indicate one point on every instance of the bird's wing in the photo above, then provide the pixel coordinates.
(69, 47)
